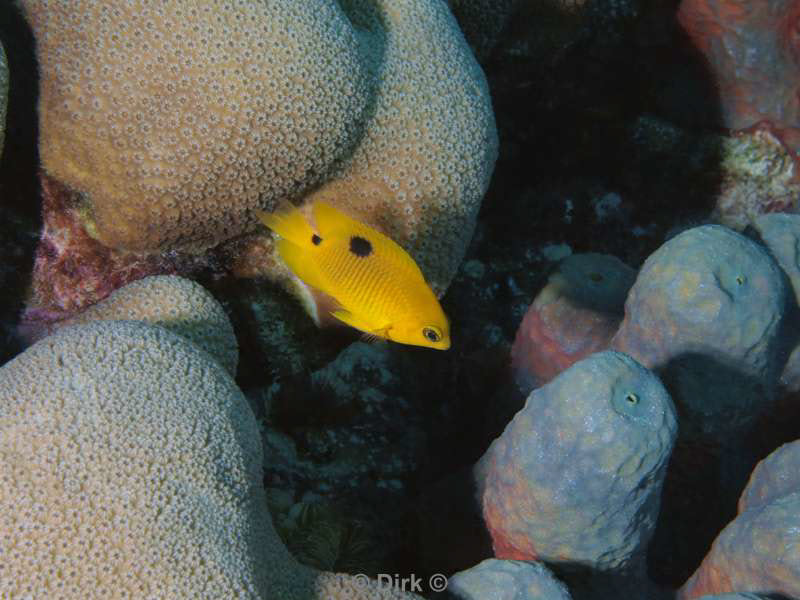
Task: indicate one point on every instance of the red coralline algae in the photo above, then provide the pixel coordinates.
(72, 270)
(753, 52)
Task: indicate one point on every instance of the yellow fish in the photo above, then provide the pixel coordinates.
(376, 285)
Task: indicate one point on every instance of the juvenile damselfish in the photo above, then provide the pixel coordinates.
(374, 284)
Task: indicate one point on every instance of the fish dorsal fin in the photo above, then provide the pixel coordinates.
(333, 223)
(291, 225)
(330, 221)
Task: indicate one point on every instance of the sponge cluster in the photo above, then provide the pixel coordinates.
(707, 313)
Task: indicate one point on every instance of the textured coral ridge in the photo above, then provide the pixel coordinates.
(752, 49)
(760, 549)
(177, 119)
(428, 151)
(576, 476)
(175, 303)
(131, 467)
(706, 312)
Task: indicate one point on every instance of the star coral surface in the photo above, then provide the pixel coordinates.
(173, 121)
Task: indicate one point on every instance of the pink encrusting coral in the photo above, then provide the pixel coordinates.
(72, 270)
(759, 550)
(576, 476)
(753, 52)
(575, 314)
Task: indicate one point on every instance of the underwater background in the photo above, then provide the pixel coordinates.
(603, 193)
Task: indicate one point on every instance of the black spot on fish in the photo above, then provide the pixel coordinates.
(315, 239)
(360, 247)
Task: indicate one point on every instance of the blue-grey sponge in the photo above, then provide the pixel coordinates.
(781, 234)
(507, 580)
(706, 313)
(576, 476)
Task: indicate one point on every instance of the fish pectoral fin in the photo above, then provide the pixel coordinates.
(300, 263)
(345, 316)
(377, 335)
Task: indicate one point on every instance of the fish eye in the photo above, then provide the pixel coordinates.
(432, 334)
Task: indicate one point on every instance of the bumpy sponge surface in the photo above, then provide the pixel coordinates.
(509, 580)
(576, 476)
(706, 313)
(759, 550)
(780, 232)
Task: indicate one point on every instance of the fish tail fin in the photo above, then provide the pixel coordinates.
(290, 225)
